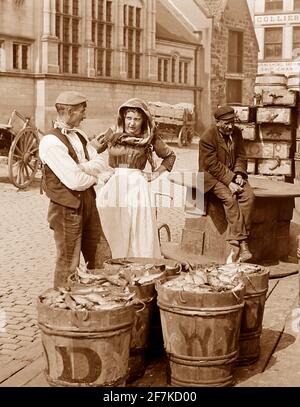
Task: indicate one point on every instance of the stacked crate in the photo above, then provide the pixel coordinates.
(271, 143)
(246, 121)
(293, 83)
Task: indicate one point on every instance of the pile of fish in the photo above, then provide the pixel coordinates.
(245, 268)
(87, 298)
(208, 278)
(127, 275)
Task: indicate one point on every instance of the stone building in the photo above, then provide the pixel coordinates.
(196, 51)
(229, 48)
(277, 27)
(109, 50)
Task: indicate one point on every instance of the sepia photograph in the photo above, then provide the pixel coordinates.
(149, 196)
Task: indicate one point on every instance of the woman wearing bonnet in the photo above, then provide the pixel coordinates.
(124, 201)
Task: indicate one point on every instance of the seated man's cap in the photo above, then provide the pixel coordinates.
(71, 98)
(224, 113)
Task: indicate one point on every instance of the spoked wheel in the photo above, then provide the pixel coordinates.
(23, 158)
(185, 136)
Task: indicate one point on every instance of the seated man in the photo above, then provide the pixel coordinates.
(223, 160)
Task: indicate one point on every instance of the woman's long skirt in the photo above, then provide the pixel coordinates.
(127, 216)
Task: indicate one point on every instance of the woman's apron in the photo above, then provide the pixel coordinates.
(127, 217)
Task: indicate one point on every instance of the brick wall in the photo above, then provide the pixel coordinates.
(104, 98)
(18, 92)
(236, 17)
(19, 21)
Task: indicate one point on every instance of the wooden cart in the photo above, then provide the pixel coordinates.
(19, 140)
(175, 123)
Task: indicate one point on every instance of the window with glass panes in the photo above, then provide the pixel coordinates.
(173, 69)
(235, 52)
(183, 72)
(20, 56)
(67, 31)
(102, 30)
(296, 39)
(273, 5)
(296, 4)
(132, 33)
(163, 69)
(234, 91)
(273, 43)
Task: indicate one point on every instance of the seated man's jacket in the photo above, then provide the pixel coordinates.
(214, 157)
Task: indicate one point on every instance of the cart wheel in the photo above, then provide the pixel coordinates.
(182, 137)
(189, 135)
(23, 158)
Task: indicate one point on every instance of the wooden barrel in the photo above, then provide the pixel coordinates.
(140, 330)
(256, 287)
(201, 332)
(146, 338)
(86, 348)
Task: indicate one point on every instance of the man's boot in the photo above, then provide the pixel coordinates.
(245, 253)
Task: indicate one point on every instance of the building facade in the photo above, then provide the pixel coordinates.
(229, 48)
(202, 52)
(277, 27)
(109, 50)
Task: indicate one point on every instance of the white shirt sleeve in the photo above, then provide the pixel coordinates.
(55, 154)
(97, 163)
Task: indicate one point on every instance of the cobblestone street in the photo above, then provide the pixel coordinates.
(27, 255)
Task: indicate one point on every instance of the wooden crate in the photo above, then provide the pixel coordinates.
(279, 97)
(248, 130)
(244, 114)
(297, 152)
(274, 115)
(274, 167)
(297, 168)
(267, 150)
(275, 131)
(251, 166)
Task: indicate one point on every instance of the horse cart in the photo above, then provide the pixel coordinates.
(19, 141)
(174, 123)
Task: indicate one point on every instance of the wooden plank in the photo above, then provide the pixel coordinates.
(38, 381)
(251, 166)
(282, 97)
(269, 149)
(248, 130)
(10, 369)
(22, 377)
(274, 167)
(277, 309)
(275, 131)
(274, 115)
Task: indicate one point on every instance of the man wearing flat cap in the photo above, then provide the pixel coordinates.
(72, 215)
(222, 158)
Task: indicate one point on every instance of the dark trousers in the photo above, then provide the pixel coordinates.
(238, 208)
(75, 231)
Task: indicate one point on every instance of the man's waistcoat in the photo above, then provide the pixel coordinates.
(55, 190)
